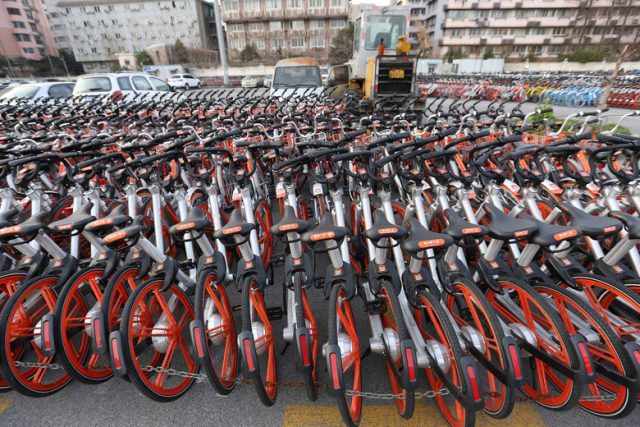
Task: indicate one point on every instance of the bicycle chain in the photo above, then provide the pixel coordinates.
(429, 394)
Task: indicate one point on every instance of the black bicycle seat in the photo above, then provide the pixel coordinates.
(548, 235)
(631, 222)
(325, 231)
(236, 226)
(504, 227)
(459, 228)
(597, 227)
(384, 229)
(421, 239)
(31, 225)
(77, 221)
(289, 223)
(116, 218)
(133, 230)
(196, 221)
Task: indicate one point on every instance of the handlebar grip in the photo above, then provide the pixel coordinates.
(543, 110)
(351, 136)
(612, 139)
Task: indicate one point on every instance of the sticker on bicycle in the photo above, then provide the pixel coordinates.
(289, 227)
(551, 187)
(185, 226)
(236, 197)
(564, 235)
(280, 191)
(431, 243)
(511, 186)
(232, 230)
(317, 189)
(471, 230)
(323, 236)
(389, 230)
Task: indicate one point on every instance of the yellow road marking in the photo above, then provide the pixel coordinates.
(524, 415)
(4, 404)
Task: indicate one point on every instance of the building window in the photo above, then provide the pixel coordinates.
(13, 11)
(231, 5)
(473, 32)
(275, 26)
(94, 50)
(34, 28)
(236, 27)
(294, 4)
(256, 26)
(297, 25)
(259, 43)
(337, 3)
(23, 37)
(274, 4)
(277, 44)
(338, 23)
(252, 5)
(18, 24)
(457, 32)
(41, 51)
(38, 39)
(28, 50)
(317, 42)
(316, 4)
(237, 44)
(316, 23)
(297, 43)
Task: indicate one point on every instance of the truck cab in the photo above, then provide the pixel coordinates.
(296, 75)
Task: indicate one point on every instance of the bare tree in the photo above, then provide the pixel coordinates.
(424, 41)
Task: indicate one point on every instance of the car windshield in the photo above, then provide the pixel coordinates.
(22, 91)
(175, 76)
(386, 28)
(297, 76)
(93, 84)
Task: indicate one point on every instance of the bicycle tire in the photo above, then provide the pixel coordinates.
(352, 416)
(267, 397)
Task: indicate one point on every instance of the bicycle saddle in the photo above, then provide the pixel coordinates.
(236, 226)
(289, 222)
(420, 239)
(597, 227)
(504, 227)
(459, 228)
(384, 229)
(548, 235)
(324, 231)
(631, 222)
(115, 218)
(128, 232)
(196, 220)
(31, 225)
(74, 222)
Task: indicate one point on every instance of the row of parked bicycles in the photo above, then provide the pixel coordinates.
(578, 91)
(488, 268)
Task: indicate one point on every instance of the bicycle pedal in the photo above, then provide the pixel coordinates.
(275, 313)
(187, 264)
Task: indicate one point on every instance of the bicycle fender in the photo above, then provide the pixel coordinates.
(116, 354)
(490, 271)
(251, 268)
(335, 387)
(303, 349)
(208, 264)
(110, 259)
(300, 265)
(33, 266)
(618, 272)
(64, 268)
(414, 282)
(196, 330)
(386, 271)
(565, 268)
(249, 355)
(169, 267)
(345, 275)
(141, 258)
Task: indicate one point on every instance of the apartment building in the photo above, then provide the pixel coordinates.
(24, 30)
(544, 29)
(426, 15)
(283, 28)
(57, 25)
(98, 30)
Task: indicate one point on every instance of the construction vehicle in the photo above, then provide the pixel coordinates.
(381, 82)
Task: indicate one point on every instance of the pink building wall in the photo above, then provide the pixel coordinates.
(10, 45)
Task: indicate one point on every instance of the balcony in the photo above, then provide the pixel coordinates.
(514, 4)
(295, 13)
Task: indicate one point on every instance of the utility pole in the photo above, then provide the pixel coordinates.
(221, 42)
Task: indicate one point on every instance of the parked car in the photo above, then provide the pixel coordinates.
(40, 90)
(251, 81)
(324, 74)
(266, 81)
(184, 81)
(119, 84)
